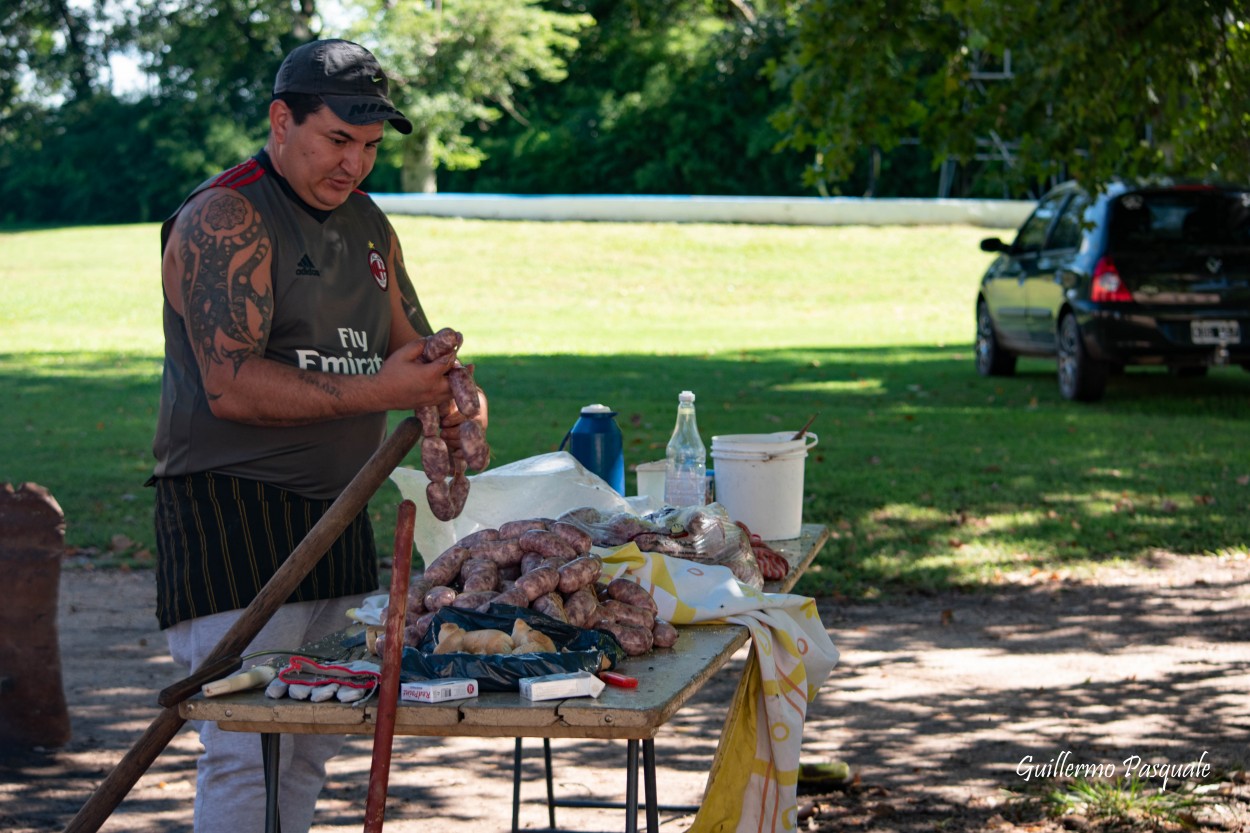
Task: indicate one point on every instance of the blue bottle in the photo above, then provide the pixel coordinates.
(595, 441)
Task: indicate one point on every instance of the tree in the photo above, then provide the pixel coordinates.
(663, 97)
(463, 61)
(221, 55)
(1091, 89)
(53, 47)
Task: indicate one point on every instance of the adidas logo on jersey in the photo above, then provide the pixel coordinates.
(306, 267)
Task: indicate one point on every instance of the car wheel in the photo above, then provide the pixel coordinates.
(992, 358)
(1081, 377)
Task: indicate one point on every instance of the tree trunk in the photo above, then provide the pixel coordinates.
(417, 176)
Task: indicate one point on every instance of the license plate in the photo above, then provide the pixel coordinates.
(1215, 332)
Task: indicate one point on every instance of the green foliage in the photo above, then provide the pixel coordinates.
(51, 48)
(463, 61)
(1096, 90)
(661, 98)
(107, 160)
(220, 55)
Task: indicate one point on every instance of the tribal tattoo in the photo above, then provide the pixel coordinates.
(222, 245)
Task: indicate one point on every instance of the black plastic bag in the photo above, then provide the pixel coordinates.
(578, 649)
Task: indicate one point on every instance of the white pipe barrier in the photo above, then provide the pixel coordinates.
(803, 211)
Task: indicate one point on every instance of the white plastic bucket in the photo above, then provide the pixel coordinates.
(759, 481)
(651, 479)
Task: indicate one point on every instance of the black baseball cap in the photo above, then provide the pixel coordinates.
(346, 77)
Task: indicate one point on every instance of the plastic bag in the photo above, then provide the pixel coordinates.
(578, 649)
(707, 534)
(696, 533)
(547, 485)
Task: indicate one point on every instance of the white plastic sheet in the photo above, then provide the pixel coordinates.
(544, 486)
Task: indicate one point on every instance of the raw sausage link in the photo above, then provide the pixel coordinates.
(438, 495)
(474, 600)
(480, 574)
(514, 596)
(551, 604)
(504, 551)
(416, 596)
(556, 561)
(631, 593)
(445, 568)
(636, 641)
(581, 607)
(530, 561)
(418, 629)
(445, 342)
(431, 425)
(484, 534)
(458, 492)
(435, 458)
(664, 633)
(580, 572)
(546, 544)
(514, 529)
(577, 537)
(627, 614)
(473, 444)
(439, 597)
(539, 581)
(464, 390)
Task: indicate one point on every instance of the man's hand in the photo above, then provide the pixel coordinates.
(410, 383)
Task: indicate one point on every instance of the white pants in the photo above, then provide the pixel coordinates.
(230, 781)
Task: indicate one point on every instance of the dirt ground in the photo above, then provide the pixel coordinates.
(953, 712)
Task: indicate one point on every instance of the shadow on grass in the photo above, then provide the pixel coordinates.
(928, 474)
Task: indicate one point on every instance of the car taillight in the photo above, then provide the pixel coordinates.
(1107, 286)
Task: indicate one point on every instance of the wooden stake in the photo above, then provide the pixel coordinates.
(298, 564)
(392, 658)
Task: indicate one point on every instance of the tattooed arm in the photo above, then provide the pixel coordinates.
(216, 273)
(408, 319)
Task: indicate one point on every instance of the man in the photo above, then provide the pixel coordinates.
(291, 328)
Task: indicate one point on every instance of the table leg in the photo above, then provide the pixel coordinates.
(648, 775)
(551, 786)
(631, 786)
(516, 787)
(270, 748)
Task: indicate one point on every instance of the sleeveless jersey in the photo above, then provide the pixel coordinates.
(331, 313)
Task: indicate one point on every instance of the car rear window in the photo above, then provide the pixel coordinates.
(1186, 218)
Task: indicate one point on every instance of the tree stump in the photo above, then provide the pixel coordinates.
(32, 696)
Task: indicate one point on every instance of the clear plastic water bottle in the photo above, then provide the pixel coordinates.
(685, 470)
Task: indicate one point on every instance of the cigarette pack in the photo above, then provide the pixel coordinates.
(436, 691)
(560, 686)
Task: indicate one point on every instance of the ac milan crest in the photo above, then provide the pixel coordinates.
(377, 265)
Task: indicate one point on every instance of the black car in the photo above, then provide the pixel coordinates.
(1147, 275)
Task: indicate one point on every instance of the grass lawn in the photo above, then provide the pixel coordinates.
(928, 474)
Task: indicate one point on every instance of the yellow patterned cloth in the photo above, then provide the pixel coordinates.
(754, 778)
